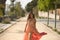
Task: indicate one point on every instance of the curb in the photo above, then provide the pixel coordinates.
(7, 28)
(53, 29)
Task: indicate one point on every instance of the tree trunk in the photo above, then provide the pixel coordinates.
(35, 11)
(59, 16)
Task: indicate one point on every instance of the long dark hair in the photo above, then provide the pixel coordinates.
(29, 16)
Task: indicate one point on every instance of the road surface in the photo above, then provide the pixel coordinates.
(16, 32)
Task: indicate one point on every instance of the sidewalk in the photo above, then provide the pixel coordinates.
(51, 35)
(51, 23)
(3, 27)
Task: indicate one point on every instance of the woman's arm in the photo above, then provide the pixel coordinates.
(25, 27)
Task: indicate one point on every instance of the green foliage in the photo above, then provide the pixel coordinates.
(12, 0)
(43, 4)
(51, 4)
(16, 11)
(17, 6)
(23, 13)
(31, 5)
(1, 13)
(1, 9)
(6, 21)
(19, 11)
(34, 2)
(12, 9)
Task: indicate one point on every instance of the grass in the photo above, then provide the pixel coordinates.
(55, 30)
(44, 18)
(1, 30)
(58, 32)
(5, 22)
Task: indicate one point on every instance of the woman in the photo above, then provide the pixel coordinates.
(31, 32)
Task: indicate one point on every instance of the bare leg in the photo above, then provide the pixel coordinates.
(30, 38)
(26, 36)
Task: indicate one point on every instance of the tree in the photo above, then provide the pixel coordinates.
(18, 9)
(2, 9)
(29, 7)
(52, 5)
(12, 12)
(32, 5)
(35, 8)
(58, 6)
(43, 4)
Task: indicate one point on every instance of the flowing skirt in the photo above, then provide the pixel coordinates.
(34, 36)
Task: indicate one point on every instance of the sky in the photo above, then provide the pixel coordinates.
(23, 2)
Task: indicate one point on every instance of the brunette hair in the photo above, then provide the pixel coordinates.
(31, 13)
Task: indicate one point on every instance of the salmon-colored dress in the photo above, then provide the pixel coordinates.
(31, 32)
(37, 36)
(31, 25)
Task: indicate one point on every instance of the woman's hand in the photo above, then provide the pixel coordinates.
(43, 33)
(25, 30)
